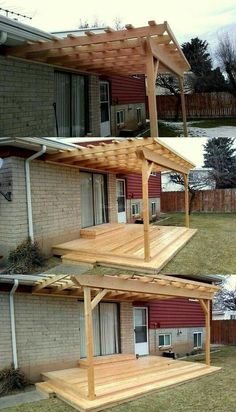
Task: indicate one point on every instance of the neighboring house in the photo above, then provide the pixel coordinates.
(218, 314)
(46, 100)
(58, 324)
(200, 176)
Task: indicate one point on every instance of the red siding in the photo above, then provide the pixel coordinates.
(125, 90)
(134, 186)
(175, 313)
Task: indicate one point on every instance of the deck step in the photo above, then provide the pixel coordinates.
(94, 231)
(99, 360)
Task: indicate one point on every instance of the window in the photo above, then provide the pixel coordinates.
(139, 115)
(70, 105)
(154, 208)
(165, 340)
(135, 209)
(120, 118)
(197, 340)
(232, 317)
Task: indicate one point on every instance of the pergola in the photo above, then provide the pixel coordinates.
(141, 155)
(132, 51)
(118, 288)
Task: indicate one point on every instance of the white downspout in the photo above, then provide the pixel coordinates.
(13, 324)
(28, 190)
(3, 37)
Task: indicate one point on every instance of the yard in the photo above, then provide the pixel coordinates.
(214, 392)
(198, 128)
(211, 250)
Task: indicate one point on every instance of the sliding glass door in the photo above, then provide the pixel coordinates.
(93, 195)
(70, 104)
(105, 329)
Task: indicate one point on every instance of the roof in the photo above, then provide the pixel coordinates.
(124, 156)
(17, 33)
(121, 52)
(35, 143)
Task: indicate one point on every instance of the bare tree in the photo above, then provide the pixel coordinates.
(171, 84)
(194, 185)
(226, 56)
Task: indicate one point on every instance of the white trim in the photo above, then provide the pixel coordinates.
(198, 332)
(146, 309)
(122, 215)
(164, 334)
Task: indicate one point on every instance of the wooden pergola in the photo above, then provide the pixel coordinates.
(145, 50)
(141, 155)
(94, 288)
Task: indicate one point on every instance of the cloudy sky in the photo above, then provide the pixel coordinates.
(186, 18)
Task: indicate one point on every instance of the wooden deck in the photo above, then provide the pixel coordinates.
(122, 245)
(118, 381)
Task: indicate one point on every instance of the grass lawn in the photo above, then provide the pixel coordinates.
(211, 250)
(215, 392)
(213, 123)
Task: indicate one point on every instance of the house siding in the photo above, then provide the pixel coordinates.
(27, 97)
(125, 90)
(175, 313)
(55, 204)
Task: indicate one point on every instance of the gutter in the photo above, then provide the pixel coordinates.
(28, 190)
(13, 324)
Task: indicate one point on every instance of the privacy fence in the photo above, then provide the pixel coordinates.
(223, 332)
(218, 200)
(198, 105)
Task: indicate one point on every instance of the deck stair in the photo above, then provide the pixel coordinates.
(99, 230)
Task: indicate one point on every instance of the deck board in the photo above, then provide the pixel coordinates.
(125, 248)
(118, 382)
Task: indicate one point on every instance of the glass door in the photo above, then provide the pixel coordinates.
(141, 331)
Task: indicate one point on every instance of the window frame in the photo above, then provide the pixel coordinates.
(199, 333)
(164, 335)
(154, 203)
(120, 123)
(139, 115)
(135, 205)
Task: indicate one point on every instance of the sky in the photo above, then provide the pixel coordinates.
(186, 18)
(231, 282)
(191, 148)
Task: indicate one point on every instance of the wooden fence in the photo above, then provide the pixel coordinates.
(198, 105)
(223, 332)
(218, 200)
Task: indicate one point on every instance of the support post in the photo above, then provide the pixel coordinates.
(183, 107)
(208, 334)
(186, 199)
(151, 72)
(89, 342)
(145, 176)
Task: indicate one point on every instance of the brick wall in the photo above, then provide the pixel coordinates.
(55, 204)
(5, 332)
(27, 97)
(182, 343)
(126, 327)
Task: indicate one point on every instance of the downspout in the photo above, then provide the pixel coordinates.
(13, 324)
(3, 37)
(28, 190)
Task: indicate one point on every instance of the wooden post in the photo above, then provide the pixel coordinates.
(151, 71)
(206, 307)
(89, 342)
(208, 333)
(186, 199)
(181, 86)
(145, 176)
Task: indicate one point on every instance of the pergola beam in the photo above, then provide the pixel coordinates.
(205, 305)
(89, 342)
(160, 160)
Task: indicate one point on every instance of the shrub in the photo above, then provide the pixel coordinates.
(11, 379)
(25, 257)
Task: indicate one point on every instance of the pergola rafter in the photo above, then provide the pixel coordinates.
(131, 51)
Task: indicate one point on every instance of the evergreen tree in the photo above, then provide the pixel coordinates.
(219, 155)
